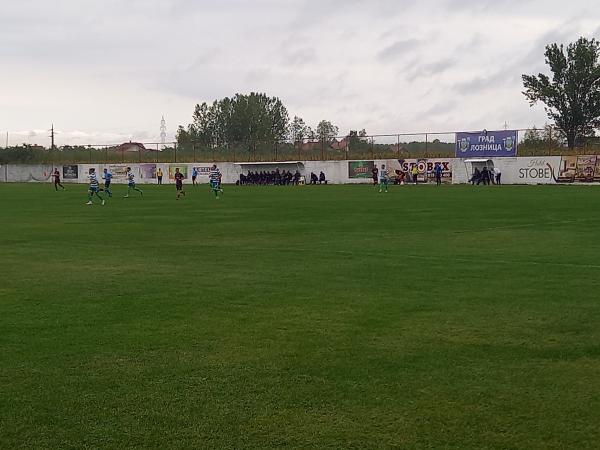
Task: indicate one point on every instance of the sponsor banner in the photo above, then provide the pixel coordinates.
(148, 171)
(540, 170)
(487, 144)
(586, 168)
(424, 166)
(580, 168)
(119, 171)
(360, 169)
(71, 172)
(203, 171)
(183, 168)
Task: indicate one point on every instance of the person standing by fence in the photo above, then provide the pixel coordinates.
(438, 174)
(159, 175)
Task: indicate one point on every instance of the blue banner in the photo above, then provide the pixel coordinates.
(487, 144)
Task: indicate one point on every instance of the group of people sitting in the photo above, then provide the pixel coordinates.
(275, 177)
(486, 176)
(278, 178)
(314, 179)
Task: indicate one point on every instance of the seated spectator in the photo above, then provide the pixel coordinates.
(400, 176)
(313, 178)
(476, 178)
(322, 178)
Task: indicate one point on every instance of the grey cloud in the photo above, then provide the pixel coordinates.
(398, 48)
(299, 56)
(482, 83)
(324, 58)
(429, 69)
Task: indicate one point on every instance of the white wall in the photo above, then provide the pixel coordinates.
(525, 170)
(522, 170)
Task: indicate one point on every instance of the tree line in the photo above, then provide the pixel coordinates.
(571, 96)
(249, 119)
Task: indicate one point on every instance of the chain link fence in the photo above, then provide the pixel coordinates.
(532, 142)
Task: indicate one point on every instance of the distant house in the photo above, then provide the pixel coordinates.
(310, 145)
(130, 147)
(340, 145)
(332, 145)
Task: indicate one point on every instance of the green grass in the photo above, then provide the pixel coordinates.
(312, 317)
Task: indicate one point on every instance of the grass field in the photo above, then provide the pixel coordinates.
(313, 317)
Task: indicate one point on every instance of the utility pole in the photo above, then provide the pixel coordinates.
(163, 133)
(52, 137)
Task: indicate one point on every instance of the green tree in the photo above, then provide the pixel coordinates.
(247, 119)
(572, 96)
(357, 139)
(298, 130)
(326, 131)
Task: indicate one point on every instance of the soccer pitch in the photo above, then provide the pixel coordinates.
(300, 317)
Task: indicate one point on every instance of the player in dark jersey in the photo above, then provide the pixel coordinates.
(438, 171)
(179, 183)
(56, 176)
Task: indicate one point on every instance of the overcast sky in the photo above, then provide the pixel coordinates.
(106, 71)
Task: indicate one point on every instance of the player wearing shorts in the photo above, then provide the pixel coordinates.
(179, 183)
(131, 183)
(56, 176)
(383, 179)
(94, 188)
(107, 177)
(215, 180)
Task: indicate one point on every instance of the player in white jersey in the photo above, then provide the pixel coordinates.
(131, 183)
(94, 188)
(383, 178)
(214, 178)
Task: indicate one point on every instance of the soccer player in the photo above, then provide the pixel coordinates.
(375, 175)
(56, 176)
(438, 173)
(107, 177)
(94, 188)
(179, 183)
(383, 179)
(215, 180)
(194, 176)
(131, 183)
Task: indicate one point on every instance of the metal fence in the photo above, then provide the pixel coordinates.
(384, 146)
